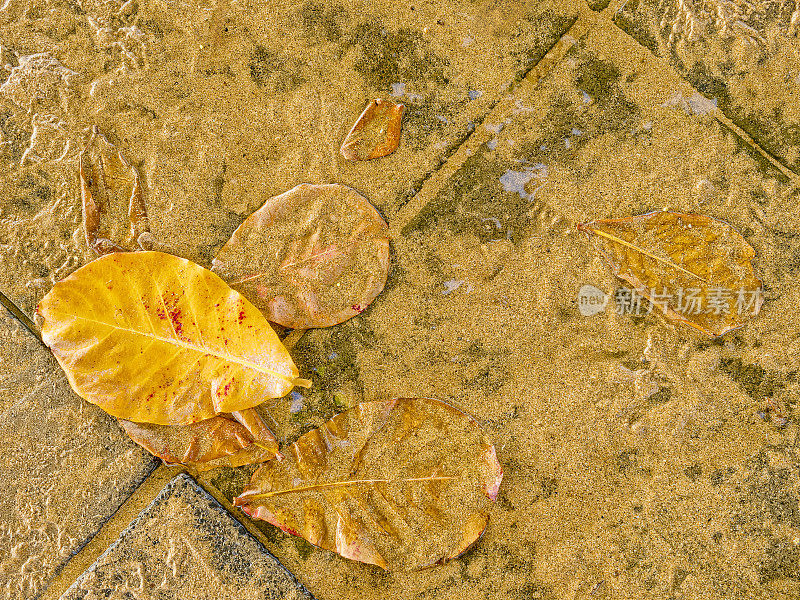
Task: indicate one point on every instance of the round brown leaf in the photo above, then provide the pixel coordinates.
(376, 133)
(402, 484)
(311, 257)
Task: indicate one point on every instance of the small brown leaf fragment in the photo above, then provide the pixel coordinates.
(376, 132)
(215, 442)
(402, 484)
(114, 213)
(254, 424)
(698, 270)
(311, 257)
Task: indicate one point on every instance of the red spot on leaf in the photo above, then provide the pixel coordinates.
(175, 317)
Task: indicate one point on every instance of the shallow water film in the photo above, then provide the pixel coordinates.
(591, 215)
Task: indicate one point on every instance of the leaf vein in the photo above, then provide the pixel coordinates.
(180, 343)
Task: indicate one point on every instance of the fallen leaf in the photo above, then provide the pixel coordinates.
(216, 442)
(375, 133)
(311, 257)
(402, 484)
(114, 214)
(697, 269)
(154, 338)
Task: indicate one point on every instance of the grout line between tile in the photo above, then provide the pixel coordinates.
(786, 171)
(237, 514)
(454, 146)
(110, 531)
(17, 313)
(436, 181)
(232, 510)
(615, 7)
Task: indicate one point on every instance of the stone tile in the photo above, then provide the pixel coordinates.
(745, 56)
(186, 545)
(221, 106)
(638, 461)
(66, 466)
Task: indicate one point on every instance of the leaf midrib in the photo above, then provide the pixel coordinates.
(332, 484)
(318, 257)
(618, 240)
(200, 349)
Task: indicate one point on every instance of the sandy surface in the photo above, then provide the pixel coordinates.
(642, 460)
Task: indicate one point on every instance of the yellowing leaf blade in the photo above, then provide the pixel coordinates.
(402, 484)
(696, 269)
(150, 337)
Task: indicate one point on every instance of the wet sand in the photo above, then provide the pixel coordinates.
(642, 459)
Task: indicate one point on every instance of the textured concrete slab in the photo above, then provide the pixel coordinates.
(641, 459)
(66, 466)
(744, 56)
(223, 105)
(186, 545)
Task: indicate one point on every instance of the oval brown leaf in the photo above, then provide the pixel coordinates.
(402, 484)
(311, 257)
(697, 269)
(114, 214)
(375, 133)
(154, 338)
(215, 442)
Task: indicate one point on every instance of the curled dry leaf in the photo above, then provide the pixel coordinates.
(154, 338)
(376, 133)
(311, 257)
(216, 442)
(402, 484)
(697, 269)
(114, 214)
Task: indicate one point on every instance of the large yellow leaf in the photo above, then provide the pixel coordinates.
(150, 337)
(696, 269)
(401, 484)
